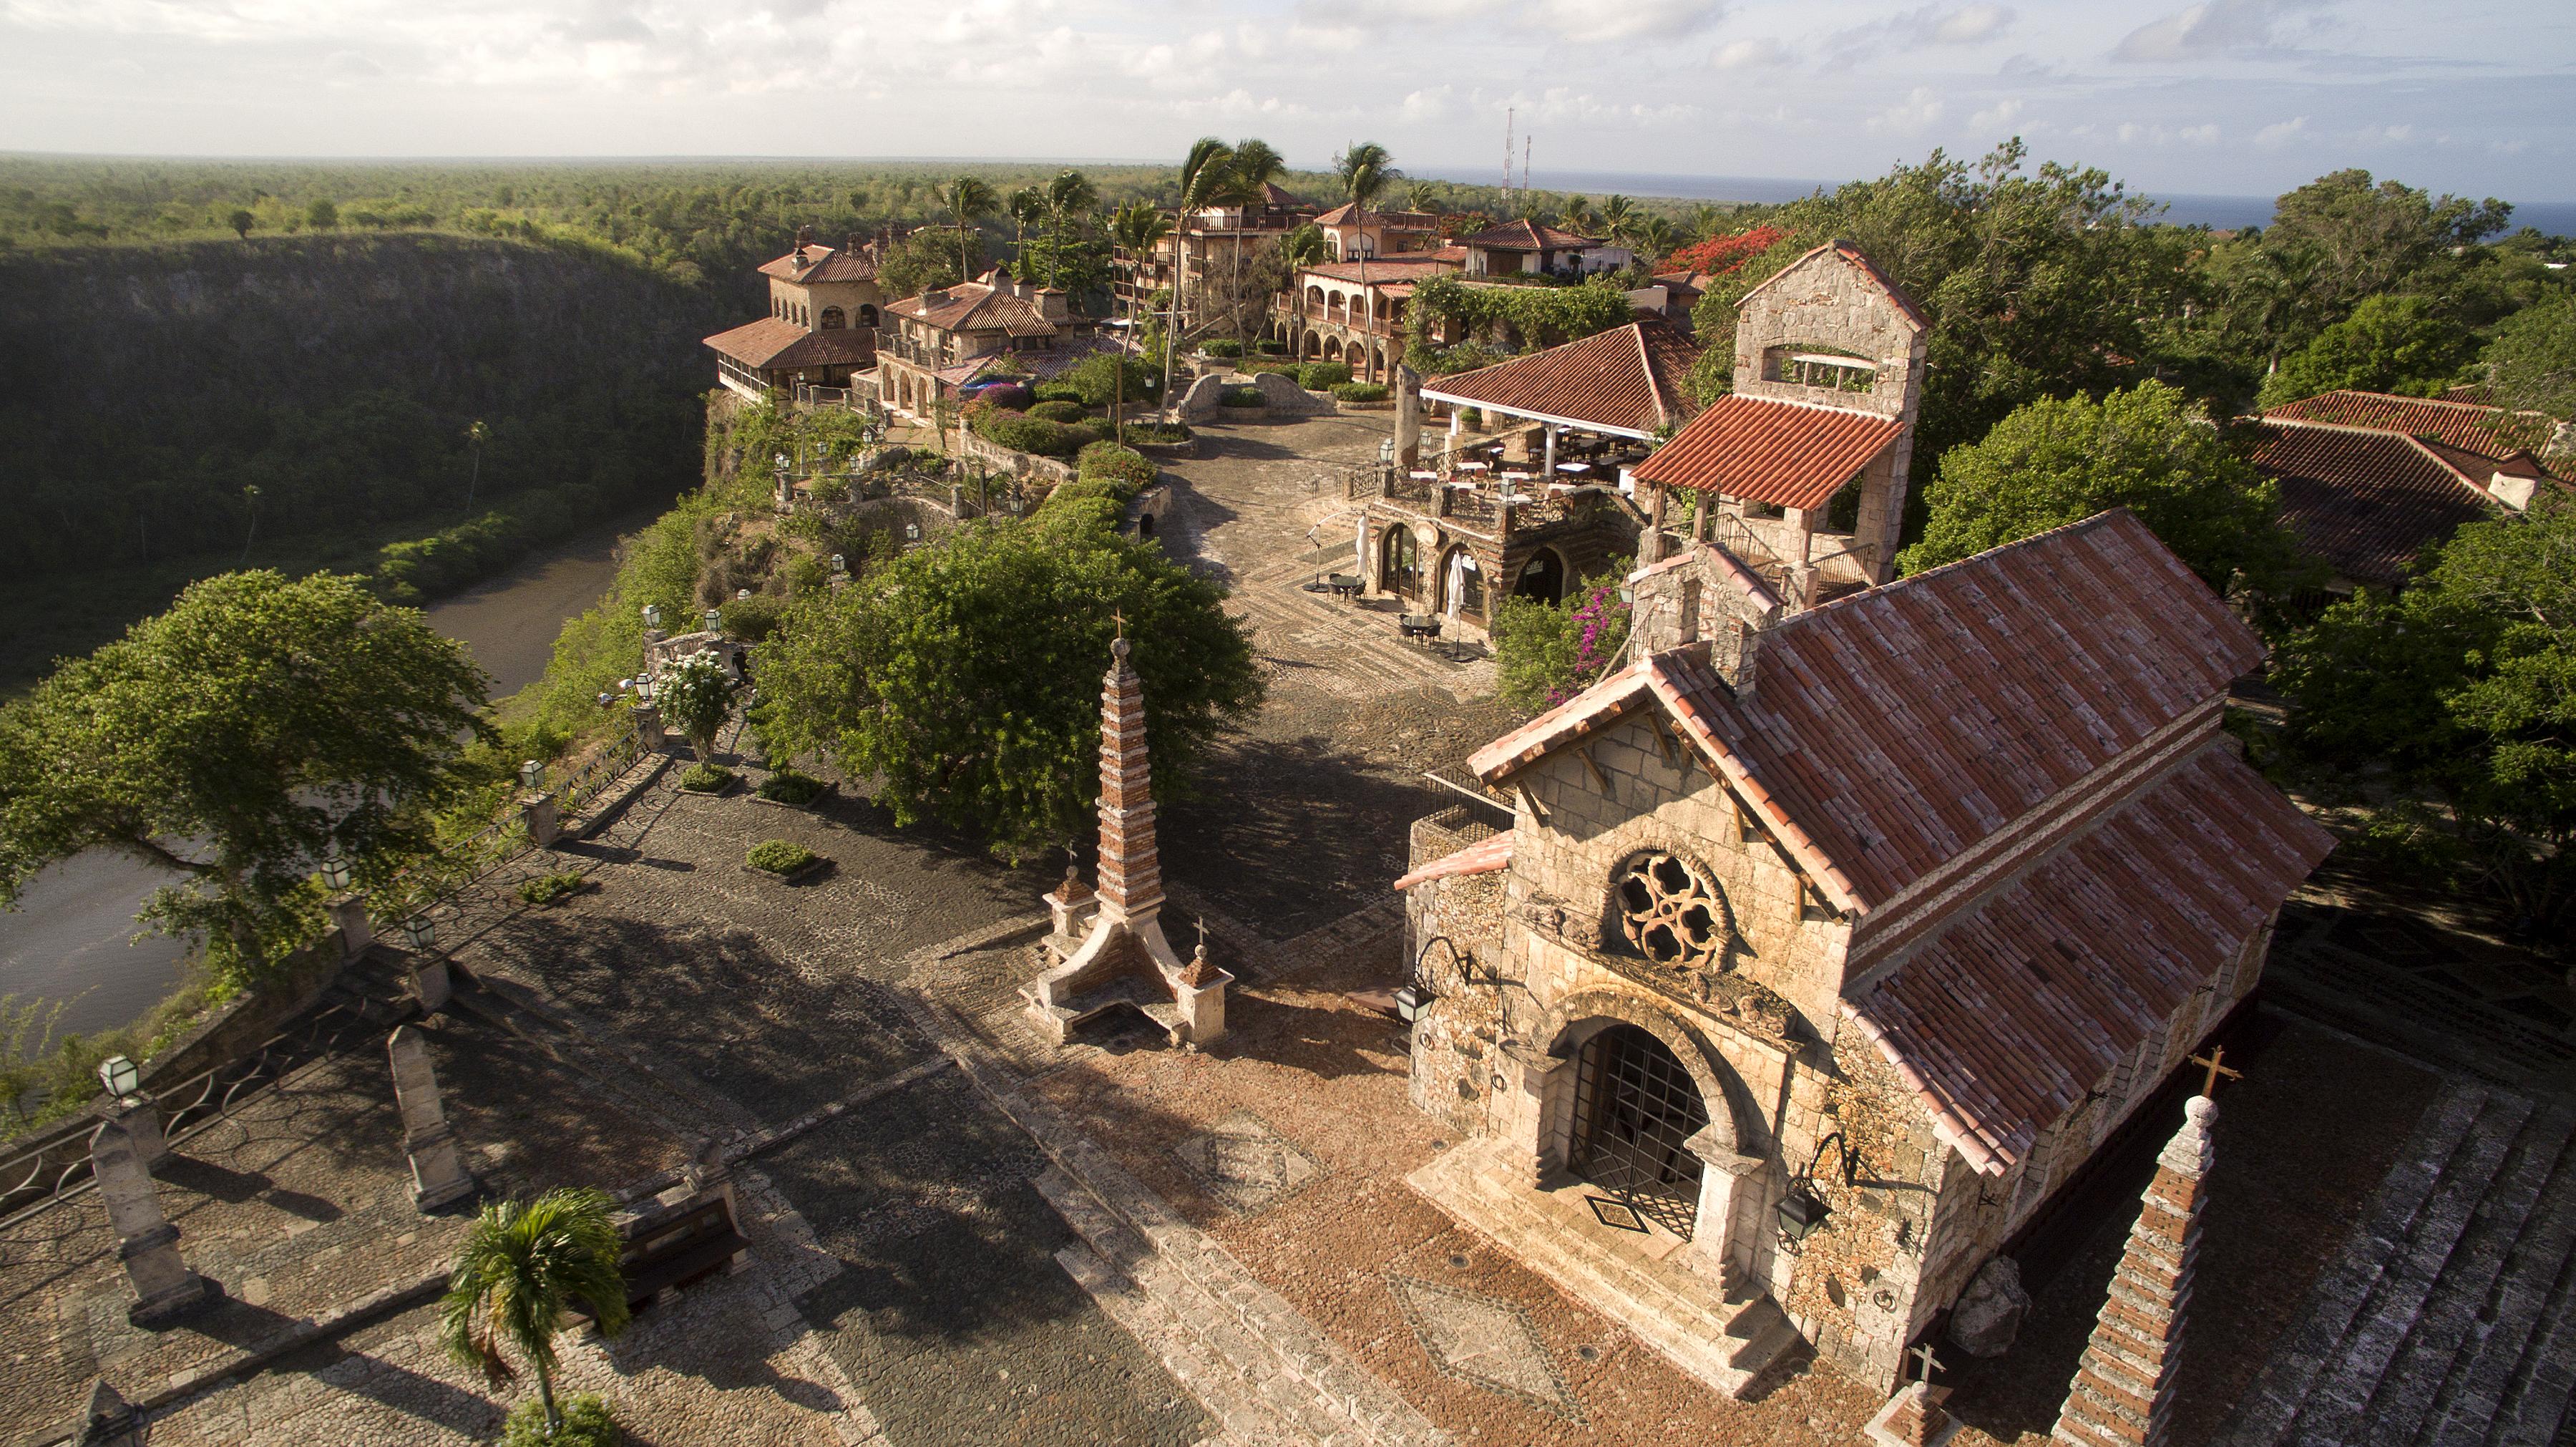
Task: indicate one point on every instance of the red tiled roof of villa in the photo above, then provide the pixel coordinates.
(1635, 378)
(1482, 857)
(772, 342)
(975, 306)
(2487, 431)
(2368, 502)
(1526, 235)
(1348, 214)
(1790, 454)
(823, 263)
(1403, 266)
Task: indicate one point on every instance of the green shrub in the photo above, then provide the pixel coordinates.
(1095, 380)
(1242, 397)
(1084, 434)
(547, 888)
(1361, 392)
(1058, 392)
(1222, 348)
(788, 786)
(1270, 347)
(1285, 369)
(1068, 493)
(1034, 435)
(586, 1424)
(706, 778)
(1158, 432)
(1061, 411)
(1130, 468)
(754, 618)
(779, 856)
(1316, 376)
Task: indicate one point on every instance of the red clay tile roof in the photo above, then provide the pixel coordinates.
(2003, 1020)
(1788, 453)
(823, 263)
(2487, 431)
(1528, 235)
(1888, 732)
(1403, 266)
(2367, 502)
(1347, 214)
(1634, 378)
(1851, 254)
(976, 306)
(771, 342)
(1482, 857)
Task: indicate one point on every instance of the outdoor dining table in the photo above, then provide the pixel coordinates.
(1419, 475)
(1475, 467)
(1574, 467)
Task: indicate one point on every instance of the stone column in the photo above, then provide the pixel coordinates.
(1547, 467)
(429, 982)
(1408, 417)
(349, 912)
(1650, 548)
(709, 1175)
(438, 1175)
(648, 726)
(164, 1288)
(545, 826)
(1069, 910)
(1726, 1177)
(1533, 1084)
(142, 1121)
(1200, 993)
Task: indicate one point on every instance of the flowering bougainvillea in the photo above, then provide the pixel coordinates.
(1546, 653)
(1721, 255)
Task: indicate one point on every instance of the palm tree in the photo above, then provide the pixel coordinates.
(474, 436)
(1303, 246)
(1423, 196)
(969, 199)
(1069, 196)
(1365, 170)
(1027, 208)
(1656, 236)
(521, 1266)
(1576, 214)
(1617, 217)
(1205, 172)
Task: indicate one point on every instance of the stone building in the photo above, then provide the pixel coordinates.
(1799, 474)
(1352, 231)
(1354, 311)
(821, 329)
(1822, 951)
(935, 343)
(1204, 243)
(1517, 248)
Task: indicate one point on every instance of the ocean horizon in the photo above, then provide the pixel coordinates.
(2225, 213)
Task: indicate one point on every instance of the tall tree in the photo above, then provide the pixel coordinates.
(522, 1266)
(1070, 198)
(1028, 207)
(2388, 344)
(241, 222)
(2532, 361)
(1365, 170)
(969, 199)
(2147, 449)
(2461, 691)
(967, 675)
(258, 725)
(1206, 172)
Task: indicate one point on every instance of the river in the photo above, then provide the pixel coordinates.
(67, 940)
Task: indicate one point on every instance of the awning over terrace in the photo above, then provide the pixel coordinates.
(1625, 382)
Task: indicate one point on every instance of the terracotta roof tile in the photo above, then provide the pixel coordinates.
(975, 306)
(823, 263)
(1403, 266)
(2488, 431)
(1482, 857)
(2367, 502)
(1528, 235)
(771, 342)
(2003, 1020)
(1635, 378)
(1788, 453)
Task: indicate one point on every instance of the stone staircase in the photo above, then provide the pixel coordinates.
(2451, 1316)
(1727, 1338)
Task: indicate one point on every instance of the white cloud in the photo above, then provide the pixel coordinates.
(2281, 133)
(1997, 116)
(2210, 29)
(1756, 54)
(1910, 117)
(1426, 105)
(1970, 24)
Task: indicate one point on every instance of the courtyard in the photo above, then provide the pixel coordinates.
(961, 1233)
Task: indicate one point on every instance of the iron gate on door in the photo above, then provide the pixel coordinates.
(1634, 1106)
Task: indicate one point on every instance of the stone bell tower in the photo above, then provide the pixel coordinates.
(1123, 958)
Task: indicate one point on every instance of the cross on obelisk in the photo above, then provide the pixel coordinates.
(1119, 616)
(2209, 1086)
(1923, 1354)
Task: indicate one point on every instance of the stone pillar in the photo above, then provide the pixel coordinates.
(1408, 417)
(1533, 1082)
(708, 1174)
(1131, 869)
(106, 1419)
(1547, 467)
(544, 825)
(438, 1176)
(1726, 1177)
(349, 912)
(1650, 548)
(164, 1288)
(2124, 1386)
(1913, 1418)
(429, 982)
(1200, 993)
(648, 725)
(1069, 910)
(142, 1121)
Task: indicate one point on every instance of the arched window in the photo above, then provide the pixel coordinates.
(1542, 578)
(867, 314)
(831, 319)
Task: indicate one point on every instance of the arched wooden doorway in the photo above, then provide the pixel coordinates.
(1462, 584)
(1399, 562)
(1542, 578)
(1635, 1109)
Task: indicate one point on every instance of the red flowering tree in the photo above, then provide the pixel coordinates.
(1721, 255)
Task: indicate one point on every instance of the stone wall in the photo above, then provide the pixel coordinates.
(1456, 1040)
(994, 457)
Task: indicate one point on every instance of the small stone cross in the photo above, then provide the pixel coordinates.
(1923, 1354)
(1119, 616)
(2216, 1069)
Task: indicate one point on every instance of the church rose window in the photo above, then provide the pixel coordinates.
(1671, 913)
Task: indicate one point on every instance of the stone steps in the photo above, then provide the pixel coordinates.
(1727, 1339)
(2447, 1319)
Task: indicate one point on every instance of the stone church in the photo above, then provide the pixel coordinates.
(1824, 944)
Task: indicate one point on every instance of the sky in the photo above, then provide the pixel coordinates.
(2215, 97)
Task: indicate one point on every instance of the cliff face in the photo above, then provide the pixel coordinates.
(142, 389)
